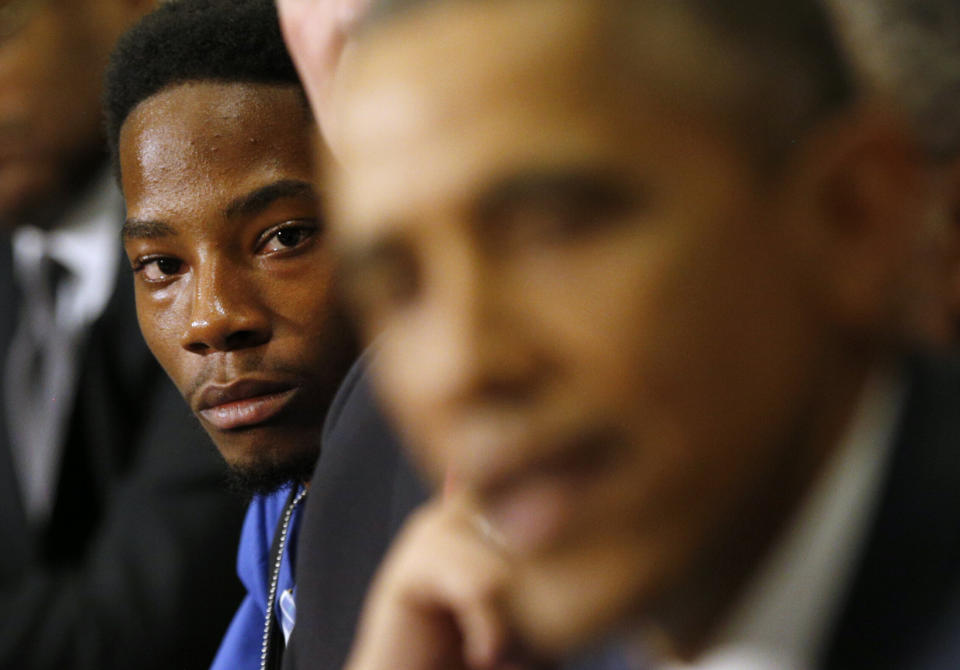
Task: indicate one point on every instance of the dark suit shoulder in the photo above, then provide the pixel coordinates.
(911, 563)
(361, 492)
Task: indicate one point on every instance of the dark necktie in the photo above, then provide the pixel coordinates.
(39, 381)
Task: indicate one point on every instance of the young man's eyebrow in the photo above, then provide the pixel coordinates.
(258, 200)
(139, 229)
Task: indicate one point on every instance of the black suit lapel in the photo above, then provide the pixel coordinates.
(911, 565)
(361, 492)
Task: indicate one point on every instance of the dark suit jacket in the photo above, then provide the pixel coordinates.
(135, 568)
(897, 613)
(360, 494)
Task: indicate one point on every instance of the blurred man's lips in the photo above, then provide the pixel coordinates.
(243, 403)
(530, 509)
(532, 514)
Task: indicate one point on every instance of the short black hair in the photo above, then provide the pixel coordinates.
(194, 40)
(793, 69)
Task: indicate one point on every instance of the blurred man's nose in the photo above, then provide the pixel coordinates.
(481, 346)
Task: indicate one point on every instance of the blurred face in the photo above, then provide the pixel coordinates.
(588, 308)
(52, 55)
(231, 268)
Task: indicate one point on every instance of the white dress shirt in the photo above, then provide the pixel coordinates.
(86, 244)
(784, 617)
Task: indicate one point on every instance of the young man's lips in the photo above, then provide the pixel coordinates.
(244, 403)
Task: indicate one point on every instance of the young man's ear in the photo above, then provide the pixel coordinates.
(858, 184)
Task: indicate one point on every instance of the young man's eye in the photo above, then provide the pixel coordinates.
(286, 237)
(158, 268)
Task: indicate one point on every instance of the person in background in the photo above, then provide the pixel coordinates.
(116, 528)
(910, 49)
(643, 302)
(213, 141)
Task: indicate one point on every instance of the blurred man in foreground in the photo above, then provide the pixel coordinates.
(642, 300)
(114, 521)
(213, 142)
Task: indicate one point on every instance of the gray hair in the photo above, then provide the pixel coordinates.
(910, 49)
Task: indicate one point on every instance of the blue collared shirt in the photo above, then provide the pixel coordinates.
(240, 648)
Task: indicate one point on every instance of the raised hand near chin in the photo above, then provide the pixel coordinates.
(438, 602)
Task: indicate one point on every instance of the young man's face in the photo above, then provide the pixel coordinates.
(231, 267)
(589, 312)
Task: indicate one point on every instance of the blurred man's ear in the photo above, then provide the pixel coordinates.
(935, 303)
(856, 184)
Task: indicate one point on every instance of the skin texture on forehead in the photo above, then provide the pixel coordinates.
(244, 119)
(222, 213)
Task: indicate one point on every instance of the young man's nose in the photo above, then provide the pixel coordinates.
(225, 313)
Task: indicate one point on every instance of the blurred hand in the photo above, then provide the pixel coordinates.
(438, 602)
(315, 32)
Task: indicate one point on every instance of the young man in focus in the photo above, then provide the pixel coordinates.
(212, 138)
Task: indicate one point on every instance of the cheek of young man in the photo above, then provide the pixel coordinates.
(308, 344)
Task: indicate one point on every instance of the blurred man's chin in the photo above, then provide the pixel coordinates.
(266, 476)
